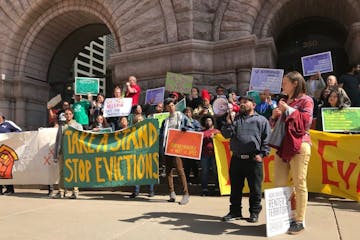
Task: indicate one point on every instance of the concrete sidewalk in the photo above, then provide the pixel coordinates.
(29, 214)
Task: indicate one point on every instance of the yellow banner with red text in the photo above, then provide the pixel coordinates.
(334, 166)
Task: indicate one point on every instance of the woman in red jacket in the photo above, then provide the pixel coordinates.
(294, 153)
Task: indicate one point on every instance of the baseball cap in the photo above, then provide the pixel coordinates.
(246, 98)
(174, 94)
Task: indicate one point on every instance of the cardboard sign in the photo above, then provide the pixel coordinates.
(266, 79)
(54, 101)
(155, 96)
(86, 85)
(184, 144)
(115, 107)
(321, 62)
(178, 82)
(344, 120)
(279, 210)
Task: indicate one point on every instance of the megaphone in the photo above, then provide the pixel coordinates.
(220, 106)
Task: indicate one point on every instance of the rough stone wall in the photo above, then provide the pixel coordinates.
(217, 41)
(275, 15)
(238, 18)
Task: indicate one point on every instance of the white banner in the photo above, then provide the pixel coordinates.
(27, 157)
(115, 107)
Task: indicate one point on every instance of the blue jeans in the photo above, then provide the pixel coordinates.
(207, 164)
(137, 188)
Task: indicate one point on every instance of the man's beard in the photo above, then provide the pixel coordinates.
(243, 111)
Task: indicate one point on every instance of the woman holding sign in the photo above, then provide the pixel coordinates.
(294, 152)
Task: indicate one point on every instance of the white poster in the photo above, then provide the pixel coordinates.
(266, 79)
(115, 107)
(27, 157)
(279, 211)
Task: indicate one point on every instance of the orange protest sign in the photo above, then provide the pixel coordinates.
(184, 144)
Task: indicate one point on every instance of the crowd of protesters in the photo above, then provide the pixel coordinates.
(246, 123)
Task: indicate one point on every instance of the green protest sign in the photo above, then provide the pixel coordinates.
(160, 117)
(128, 157)
(344, 120)
(86, 85)
(178, 82)
(181, 105)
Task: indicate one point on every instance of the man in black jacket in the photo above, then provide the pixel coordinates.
(249, 135)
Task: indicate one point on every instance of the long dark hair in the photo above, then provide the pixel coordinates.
(341, 99)
(300, 88)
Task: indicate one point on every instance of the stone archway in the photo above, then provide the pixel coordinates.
(41, 37)
(310, 36)
(42, 52)
(273, 19)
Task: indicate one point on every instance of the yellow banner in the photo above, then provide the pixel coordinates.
(334, 166)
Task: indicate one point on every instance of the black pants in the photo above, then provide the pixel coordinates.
(253, 172)
(190, 164)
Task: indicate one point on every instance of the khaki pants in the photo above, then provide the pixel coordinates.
(297, 167)
(170, 163)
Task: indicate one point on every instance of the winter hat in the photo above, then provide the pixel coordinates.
(205, 94)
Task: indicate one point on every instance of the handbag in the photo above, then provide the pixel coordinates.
(278, 134)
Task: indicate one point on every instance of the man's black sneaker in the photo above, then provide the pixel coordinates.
(9, 192)
(134, 195)
(254, 217)
(231, 216)
(296, 228)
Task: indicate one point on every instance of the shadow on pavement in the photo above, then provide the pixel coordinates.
(335, 202)
(201, 224)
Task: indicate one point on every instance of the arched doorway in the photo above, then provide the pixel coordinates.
(59, 75)
(310, 36)
(44, 55)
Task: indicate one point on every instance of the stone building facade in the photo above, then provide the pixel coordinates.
(216, 41)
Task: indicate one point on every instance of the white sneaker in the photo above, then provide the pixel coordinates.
(172, 197)
(58, 195)
(74, 195)
(185, 199)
